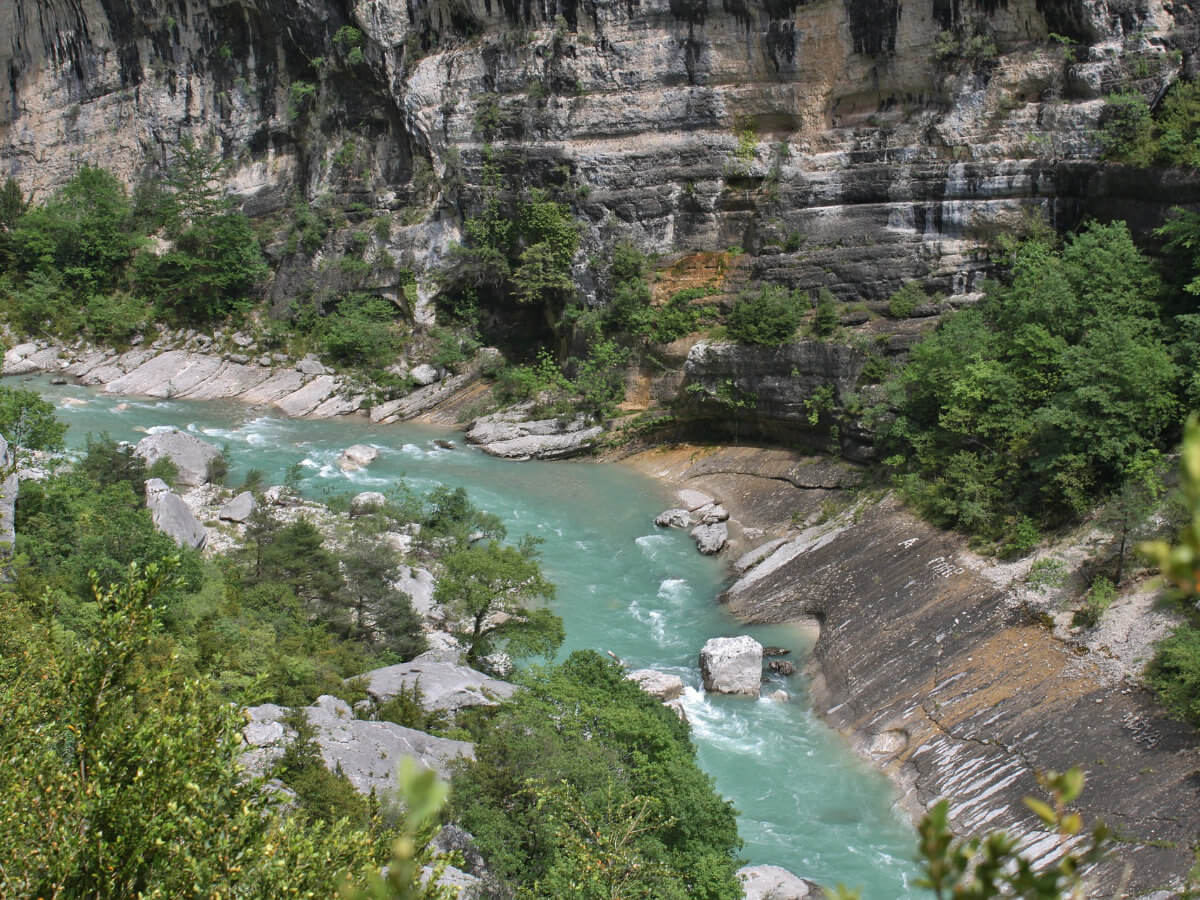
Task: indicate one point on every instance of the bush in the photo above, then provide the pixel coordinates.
(28, 421)
(767, 316)
(626, 759)
(1174, 673)
(1125, 129)
(904, 302)
(826, 319)
(360, 332)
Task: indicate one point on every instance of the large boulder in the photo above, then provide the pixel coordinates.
(239, 509)
(776, 883)
(172, 516)
(190, 455)
(368, 753)
(674, 518)
(444, 685)
(732, 665)
(423, 375)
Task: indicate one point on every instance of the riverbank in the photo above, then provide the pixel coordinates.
(933, 664)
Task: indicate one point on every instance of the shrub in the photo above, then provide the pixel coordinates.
(767, 316)
(28, 421)
(904, 302)
(826, 319)
(1174, 673)
(1125, 129)
(360, 332)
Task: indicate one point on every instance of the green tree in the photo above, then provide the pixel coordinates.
(655, 821)
(28, 421)
(490, 588)
(770, 315)
(379, 613)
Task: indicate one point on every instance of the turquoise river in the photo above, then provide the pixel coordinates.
(623, 586)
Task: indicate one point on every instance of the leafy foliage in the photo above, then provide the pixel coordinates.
(490, 587)
(1026, 408)
(768, 316)
(583, 782)
(1131, 133)
(28, 421)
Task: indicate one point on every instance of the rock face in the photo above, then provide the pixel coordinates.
(732, 665)
(190, 455)
(776, 883)
(366, 752)
(239, 509)
(508, 434)
(444, 686)
(172, 516)
(366, 502)
(693, 125)
(8, 499)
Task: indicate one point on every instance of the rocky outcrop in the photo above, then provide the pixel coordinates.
(444, 686)
(367, 753)
(509, 434)
(732, 665)
(367, 502)
(776, 883)
(190, 455)
(172, 516)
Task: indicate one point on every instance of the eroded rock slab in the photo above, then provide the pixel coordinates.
(509, 435)
(776, 883)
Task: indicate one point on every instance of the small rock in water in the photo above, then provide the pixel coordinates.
(781, 667)
(58, 379)
(443, 445)
(674, 518)
(776, 651)
(357, 456)
(780, 696)
(711, 539)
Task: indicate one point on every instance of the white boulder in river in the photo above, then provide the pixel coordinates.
(190, 455)
(662, 685)
(172, 517)
(776, 883)
(732, 665)
(358, 456)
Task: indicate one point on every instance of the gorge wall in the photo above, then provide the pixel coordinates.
(850, 144)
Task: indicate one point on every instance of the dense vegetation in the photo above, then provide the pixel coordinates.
(1064, 382)
(585, 786)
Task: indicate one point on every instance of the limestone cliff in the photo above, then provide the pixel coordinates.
(844, 143)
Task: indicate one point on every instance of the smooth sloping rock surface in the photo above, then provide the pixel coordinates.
(172, 517)
(732, 665)
(444, 685)
(776, 883)
(190, 455)
(239, 509)
(418, 583)
(368, 753)
(8, 500)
